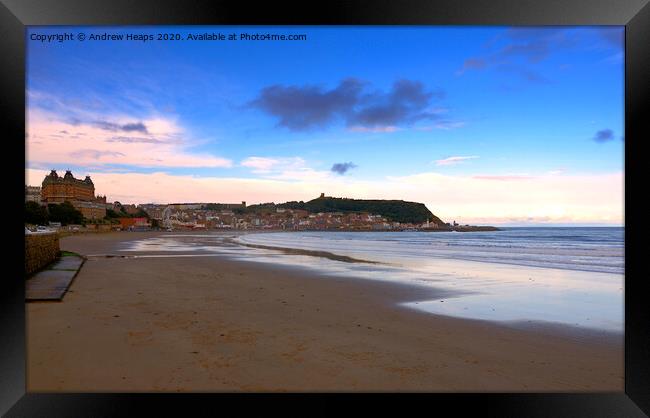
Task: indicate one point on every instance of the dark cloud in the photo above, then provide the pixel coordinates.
(128, 127)
(604, 136)
(300, 108)
(406, 103)
(305, 107)
(110, 126)
(342, 168)
(139, 127)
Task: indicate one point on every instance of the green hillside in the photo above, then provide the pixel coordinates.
(393, 210)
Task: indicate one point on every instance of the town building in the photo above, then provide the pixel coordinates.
(57, 189)
(241, 205)
(134, 223)
(32, 194)
(80, 193)
(185, 206)
(154, 211)
(194, 206)
(131, 209)
(90, 210)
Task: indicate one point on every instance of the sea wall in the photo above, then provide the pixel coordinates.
(97, 228)
(88, 229)
(40, 250)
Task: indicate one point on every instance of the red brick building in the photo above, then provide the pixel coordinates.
(57, 189)
(90, 210)
(127, 223)
(81, 193)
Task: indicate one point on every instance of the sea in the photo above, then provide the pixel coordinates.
(585, 249)
(541, 275)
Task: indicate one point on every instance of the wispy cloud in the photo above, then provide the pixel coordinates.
(268, 164)
(494, 198)
(556, 172)
(525, 73)
(614, 35)
(506, 177)
(94, 154)
(448, 125)
(473, 64)
(133, 139)
(454, 160)
(374, 129)
(520, 49)
(126, 127)
(55, 139)
(283, 168)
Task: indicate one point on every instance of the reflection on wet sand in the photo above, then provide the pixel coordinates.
(477, 290)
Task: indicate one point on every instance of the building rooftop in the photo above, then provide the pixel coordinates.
(54, 177)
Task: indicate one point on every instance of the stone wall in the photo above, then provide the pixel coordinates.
(40, 250)
(98, 228)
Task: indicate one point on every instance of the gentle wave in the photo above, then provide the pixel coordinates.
(589, 249)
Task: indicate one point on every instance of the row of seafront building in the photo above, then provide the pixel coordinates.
(201, 217)
(56, 189)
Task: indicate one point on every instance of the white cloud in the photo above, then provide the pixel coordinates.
(448, 125)
(268, 164)
(502, 177)
(497, 199)
(284, 168)
(374, 129)
(454, 160)
(123, 140)
(574, 199)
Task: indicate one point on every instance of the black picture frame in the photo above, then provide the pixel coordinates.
(15, 15)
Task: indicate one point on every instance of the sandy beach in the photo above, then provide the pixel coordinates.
(184, 324)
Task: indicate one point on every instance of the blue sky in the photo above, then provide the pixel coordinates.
(495, 105)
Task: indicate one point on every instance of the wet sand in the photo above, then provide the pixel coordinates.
(217, 324)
